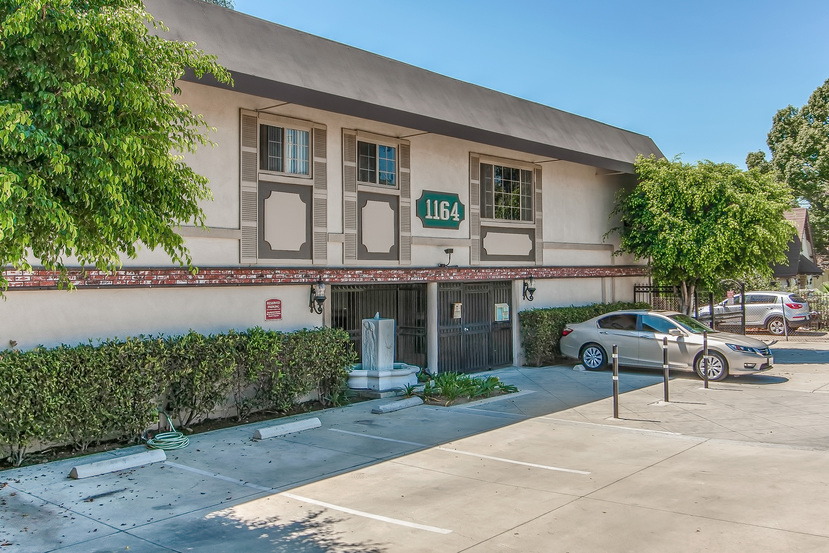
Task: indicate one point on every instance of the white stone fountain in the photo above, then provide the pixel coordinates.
(378, 371)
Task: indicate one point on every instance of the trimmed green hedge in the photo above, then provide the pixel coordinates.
(541, 328)
(85, 394)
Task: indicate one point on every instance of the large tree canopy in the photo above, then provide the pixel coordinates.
(799, 144)
(699, 224)
(91, 164)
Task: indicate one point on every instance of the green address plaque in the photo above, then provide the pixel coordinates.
(440, 210)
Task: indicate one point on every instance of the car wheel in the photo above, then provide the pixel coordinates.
(717, 366)
(593, 357)
(775, 326)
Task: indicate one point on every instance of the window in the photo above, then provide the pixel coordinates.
(506, 193)
(650, 323)
(622, 321)
(284, 150)
(376, 164)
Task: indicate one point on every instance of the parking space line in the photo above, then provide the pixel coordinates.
(355, 512)
(222, 477)
(363, 435)
(364, 514)
(534, 465)
(648, 430)
(471, 454)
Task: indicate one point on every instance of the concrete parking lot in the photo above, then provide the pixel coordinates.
(740, 466)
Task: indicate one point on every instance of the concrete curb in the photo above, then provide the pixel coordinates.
(397, 405)
(118, 463)
(287, 428)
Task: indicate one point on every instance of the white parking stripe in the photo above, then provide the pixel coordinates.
(312, 501)
(613, 426)
(459, 452)
(545, 467)
(376, 437)
(218, 476)
(367, 515)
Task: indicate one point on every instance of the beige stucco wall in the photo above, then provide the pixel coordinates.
(577, 199)
(577, 202)
(53, 317)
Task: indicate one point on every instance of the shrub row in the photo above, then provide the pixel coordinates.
(114, 389)
(541, 328)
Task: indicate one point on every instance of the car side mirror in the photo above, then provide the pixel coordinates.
(675, 332)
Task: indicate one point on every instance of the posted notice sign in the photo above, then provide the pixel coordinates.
(273, 310)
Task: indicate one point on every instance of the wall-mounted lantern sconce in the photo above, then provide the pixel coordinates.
(317, 297)
(449, 252)
(528, 290)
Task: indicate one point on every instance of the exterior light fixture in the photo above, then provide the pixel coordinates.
(317, 297)
(449, 252)
(528, 290)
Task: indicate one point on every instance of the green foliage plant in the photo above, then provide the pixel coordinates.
(799, 145)
(541, 328)
(82, 395)
(91, 136)
(702, 223)
(30, 402)
(205, 367)
(257, 358)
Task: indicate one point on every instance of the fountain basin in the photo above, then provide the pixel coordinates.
(399, 376)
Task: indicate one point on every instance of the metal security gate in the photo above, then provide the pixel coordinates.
(471, 338)
(406, 304)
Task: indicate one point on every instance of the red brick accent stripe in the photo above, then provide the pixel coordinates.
(246, 276)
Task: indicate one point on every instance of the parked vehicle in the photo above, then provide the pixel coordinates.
(764, 309)
(639, 334)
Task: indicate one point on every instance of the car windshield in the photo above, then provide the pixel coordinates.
(689, 324)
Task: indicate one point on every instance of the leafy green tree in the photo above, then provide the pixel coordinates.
(91, 135)
(799, 144)
(698, 224)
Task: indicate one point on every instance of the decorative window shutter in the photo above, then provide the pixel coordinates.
(320, 250)
(405, 204)
(350, 196)
(249, 182)
(539, 219)
(475, 209)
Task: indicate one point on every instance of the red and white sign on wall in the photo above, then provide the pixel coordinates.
(273, 310)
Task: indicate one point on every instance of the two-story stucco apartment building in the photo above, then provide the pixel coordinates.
(426, 199)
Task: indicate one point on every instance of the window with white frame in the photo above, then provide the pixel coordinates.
(506, 193)
(284, 150)
(376, 164)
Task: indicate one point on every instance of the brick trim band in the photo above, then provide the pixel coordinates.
(259, 276)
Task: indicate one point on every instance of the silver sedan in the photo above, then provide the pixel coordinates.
(639, 335)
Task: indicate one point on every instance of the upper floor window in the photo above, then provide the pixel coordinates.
(376, 164)
(284, 150)
(506, 193)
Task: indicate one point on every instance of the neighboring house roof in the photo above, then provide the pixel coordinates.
(799, 216)
(797, 263)
(278, 62)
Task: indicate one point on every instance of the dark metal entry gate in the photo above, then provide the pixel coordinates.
(470, 337)
(406, 304)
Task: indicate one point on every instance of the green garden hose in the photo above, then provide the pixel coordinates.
(168, 440)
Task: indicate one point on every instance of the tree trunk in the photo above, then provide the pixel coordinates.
(687, 289)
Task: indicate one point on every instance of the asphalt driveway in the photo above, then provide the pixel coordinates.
(740, 466)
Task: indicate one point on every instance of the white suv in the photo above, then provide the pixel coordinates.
(764, 309)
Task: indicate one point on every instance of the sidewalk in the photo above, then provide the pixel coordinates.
(737, 467)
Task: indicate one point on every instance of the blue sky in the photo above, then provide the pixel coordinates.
(702, 78)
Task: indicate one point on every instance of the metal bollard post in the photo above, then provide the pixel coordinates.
(705, 358)
(665, 365)
(615, 381)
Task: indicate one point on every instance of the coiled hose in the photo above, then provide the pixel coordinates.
(168, 440)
